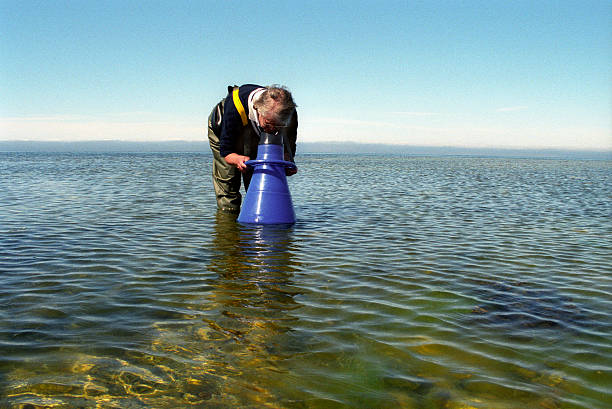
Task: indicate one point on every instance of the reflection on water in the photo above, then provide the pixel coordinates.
(407, 283)
(221, 349)
(252, 296)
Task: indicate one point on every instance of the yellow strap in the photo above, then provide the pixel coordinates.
(239, 107)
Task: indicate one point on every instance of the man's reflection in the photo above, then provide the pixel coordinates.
(252, 299)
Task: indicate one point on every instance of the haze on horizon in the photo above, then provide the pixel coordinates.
(491, 73)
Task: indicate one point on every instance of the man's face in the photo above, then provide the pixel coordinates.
(267, 124)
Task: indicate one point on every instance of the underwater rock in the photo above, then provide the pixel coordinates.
(516, 305)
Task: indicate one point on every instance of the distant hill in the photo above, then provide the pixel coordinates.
(103, 146)
(303, 147)
(352, 147)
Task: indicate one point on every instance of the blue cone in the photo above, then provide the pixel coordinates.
(268, 200)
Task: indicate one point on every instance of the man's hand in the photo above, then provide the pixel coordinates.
(237, 160)
(289, 171)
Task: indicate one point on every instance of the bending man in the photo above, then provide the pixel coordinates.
(234, 127)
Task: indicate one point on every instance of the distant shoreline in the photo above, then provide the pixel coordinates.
(303, 147)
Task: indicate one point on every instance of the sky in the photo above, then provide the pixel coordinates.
(494, 73)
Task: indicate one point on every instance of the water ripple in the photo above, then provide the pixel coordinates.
(407, 283)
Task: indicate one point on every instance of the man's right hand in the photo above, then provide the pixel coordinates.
(237, 160)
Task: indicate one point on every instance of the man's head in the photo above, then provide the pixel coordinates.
(274, 107)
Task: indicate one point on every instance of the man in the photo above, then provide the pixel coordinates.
(234, 127)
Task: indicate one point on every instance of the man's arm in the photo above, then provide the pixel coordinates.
(231, 126)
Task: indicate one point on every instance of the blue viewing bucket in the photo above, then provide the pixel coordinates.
(268, 199)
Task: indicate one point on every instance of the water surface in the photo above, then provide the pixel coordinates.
(407, 282)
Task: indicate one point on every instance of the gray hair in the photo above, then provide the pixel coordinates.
(276, 103)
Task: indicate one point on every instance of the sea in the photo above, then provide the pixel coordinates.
(454, 282)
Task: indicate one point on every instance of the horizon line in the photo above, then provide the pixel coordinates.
(324, 142)
(115, 146)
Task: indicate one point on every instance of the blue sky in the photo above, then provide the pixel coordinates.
(435, 73)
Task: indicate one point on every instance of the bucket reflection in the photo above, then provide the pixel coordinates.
(253, 297)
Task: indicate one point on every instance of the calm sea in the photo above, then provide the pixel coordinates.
(407, 282)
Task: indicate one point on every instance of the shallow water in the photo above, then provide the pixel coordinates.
(407, 282)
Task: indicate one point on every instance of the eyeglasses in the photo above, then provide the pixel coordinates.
(265, 122)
